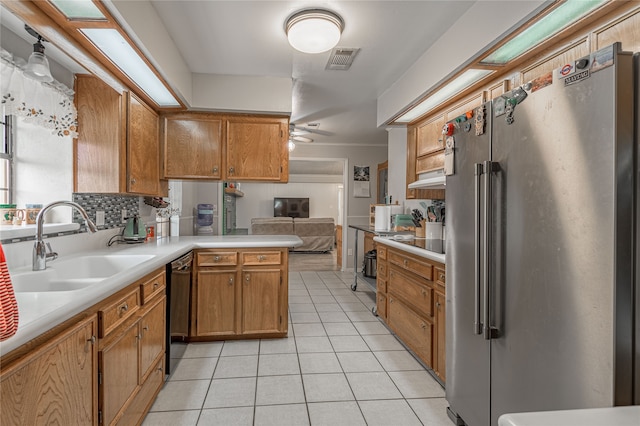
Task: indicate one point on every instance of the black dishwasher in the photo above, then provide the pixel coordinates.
(178, 292)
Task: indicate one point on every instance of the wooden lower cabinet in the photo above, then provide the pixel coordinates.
(261, 290)
(410, 298)
(55, 385)
(240, 294)
(215, 301)
(119, 373)
(439, 350)
(414, 330)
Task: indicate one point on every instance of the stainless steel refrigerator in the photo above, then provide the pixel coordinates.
(541, 204)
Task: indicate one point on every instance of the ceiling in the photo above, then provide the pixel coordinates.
(247, 38)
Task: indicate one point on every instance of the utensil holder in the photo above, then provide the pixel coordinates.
(420, 231)
(433, 230)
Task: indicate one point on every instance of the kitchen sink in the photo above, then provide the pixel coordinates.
(75, 273)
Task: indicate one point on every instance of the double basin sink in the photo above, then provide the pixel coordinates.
(74, 274)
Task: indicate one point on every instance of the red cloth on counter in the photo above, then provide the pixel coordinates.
(8, 303)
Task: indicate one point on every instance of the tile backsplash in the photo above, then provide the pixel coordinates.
(112, 205)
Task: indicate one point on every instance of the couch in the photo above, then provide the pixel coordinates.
(317, 234)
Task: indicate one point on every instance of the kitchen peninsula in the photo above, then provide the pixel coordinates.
(109, 332)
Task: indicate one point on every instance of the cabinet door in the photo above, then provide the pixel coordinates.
(261, 309)
(100, 159)
(152, 334)
(215, 303)
(192, 148)
(381, 305)
(413, 329)
(56, 385)
(143, 152)
(429, 136)
(119, 370)
(439, 352)
(257, 150)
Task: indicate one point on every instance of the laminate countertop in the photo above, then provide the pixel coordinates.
(41, 311)
(429, 249)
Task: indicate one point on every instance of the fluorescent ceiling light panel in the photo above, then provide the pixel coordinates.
(120, 52)
(561, 17)
(79, 9)
(465, 80)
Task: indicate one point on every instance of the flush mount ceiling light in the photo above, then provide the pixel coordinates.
(38, 65)
(314, 30)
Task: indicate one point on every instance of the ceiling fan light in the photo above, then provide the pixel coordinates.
(38, 65)
(314, 30)
(291, 145)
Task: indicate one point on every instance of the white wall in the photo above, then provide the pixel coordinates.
(258, 200)
(397, 137)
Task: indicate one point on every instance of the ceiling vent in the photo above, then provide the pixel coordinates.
(341, 58)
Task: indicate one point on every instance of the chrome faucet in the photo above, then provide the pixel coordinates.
(40, 252)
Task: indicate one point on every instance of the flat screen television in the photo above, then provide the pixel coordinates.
(292, 207)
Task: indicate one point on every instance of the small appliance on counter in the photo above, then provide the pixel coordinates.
(204, 219)
(134, 232)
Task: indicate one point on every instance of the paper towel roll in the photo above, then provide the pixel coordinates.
(383, 218)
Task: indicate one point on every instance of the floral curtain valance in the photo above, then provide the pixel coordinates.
(49, 105)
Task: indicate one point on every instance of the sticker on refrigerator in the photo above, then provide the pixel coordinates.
(566, 70)
(448, 156)
(602, 59)
(577, 77)
(480, 121)
(542, 82)
(498, 106)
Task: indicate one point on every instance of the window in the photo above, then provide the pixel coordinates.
(6, 160)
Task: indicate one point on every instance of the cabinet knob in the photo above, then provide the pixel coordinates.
(123, 308)
(423, 325)
(133, 181)
(438, 304)
(261, 258)
(215, 169)
(145, 328)
(405, 262)
(92, 340)
(424, 292)
(216, 259)
(247, 277)
(231, 170)
(155, 285)
(230, 280)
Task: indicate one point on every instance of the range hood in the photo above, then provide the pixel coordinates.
(430, 180)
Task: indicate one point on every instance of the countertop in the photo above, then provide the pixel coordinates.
(39, 312)
(417, 246)
(618, 416)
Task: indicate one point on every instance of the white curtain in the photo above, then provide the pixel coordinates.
(49, 105)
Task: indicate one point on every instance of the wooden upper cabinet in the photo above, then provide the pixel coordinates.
(257, 149)
(143, 150)
(117, 149)
(192, 147)
(429, 136)
(100, 160)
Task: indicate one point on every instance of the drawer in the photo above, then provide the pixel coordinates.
(219, 258)
(412, 292)
(382, 252)
(423, 269)
(261, 258)
(440, 276)
(153, 287)
(110, 317)
(382, 269)
(381, 284)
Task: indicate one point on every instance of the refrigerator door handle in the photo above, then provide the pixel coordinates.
(477, 324)
(490, 167)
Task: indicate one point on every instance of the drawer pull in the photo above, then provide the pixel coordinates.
(155, 285)
(123, 308)
(261, 258)
(145, 328)
(438, 304)
(230, 280)
(406, 262)
(423, 325)
(424, 292)
(216, 259)
(92, 340)
(247, 277)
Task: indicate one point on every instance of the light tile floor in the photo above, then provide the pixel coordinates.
(339, 366)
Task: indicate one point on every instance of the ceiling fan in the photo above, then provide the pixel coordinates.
(299, 133)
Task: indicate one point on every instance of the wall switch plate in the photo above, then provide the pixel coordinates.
(123, 215)
(349, 252)
(100, 218)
